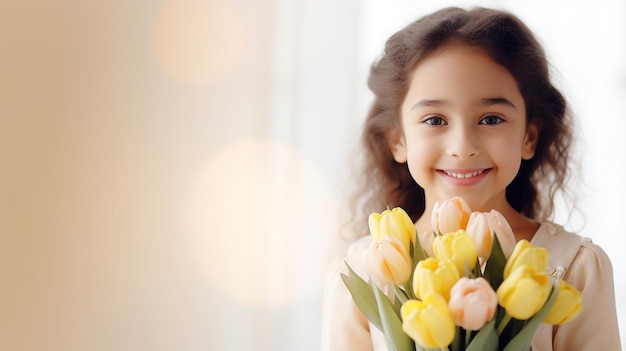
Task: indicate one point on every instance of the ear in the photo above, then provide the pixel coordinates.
(530, 141)
(397, 145)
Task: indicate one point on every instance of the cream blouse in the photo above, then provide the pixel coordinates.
(588, 268)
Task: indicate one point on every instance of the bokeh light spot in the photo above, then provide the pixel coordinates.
(259, 223)
(198, 42)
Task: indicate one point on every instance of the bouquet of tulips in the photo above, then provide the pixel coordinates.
(469, 287)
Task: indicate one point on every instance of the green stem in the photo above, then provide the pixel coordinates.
(468, 337)
(503, 323)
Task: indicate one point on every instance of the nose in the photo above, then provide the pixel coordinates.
(463, 143)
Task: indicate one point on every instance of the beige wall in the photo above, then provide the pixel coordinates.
(146, 201)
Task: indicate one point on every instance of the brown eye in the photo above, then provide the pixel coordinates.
(491, 120)
(435, 121)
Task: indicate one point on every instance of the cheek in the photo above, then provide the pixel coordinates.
(508, 146)
(422, 152)
(421, 159)
(509, 160)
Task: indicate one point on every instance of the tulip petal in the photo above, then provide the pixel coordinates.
(524, 292)
(522, 340)
(450, 215)
(503, 232)
(472, 303)
(428, 322)
(480, 232)
(374, 225)
(567, 305)
(388, 261)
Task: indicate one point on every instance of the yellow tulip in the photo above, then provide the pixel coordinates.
(568, 304)
(457, 247)
(428, 322)
(388, 261)
(526, 254)
(433, 275)
(396, 223)
(450, 215)
(524, 292)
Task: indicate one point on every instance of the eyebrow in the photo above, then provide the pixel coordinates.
(497, 101)
(484, 102)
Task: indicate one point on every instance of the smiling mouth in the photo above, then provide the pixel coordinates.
(460, 175)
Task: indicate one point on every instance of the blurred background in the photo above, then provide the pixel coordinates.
(173, 172)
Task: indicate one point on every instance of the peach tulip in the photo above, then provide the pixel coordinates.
(504, 233)
(482, 226)
(426, 238)
(388, 261)
(473, 303)
(479, 231)
(450, 215)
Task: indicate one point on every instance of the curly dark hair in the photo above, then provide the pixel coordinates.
(510, 43)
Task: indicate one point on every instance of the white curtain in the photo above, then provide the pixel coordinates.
(173, 173)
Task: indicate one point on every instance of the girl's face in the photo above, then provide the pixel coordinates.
(464, 129)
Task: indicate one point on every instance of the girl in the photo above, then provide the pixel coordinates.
(464, 107)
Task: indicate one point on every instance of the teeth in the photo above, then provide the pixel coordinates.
(464, 175)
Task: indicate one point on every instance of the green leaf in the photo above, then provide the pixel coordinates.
(521, 341)
(395, 338)
(494, 267)
(457, 342)
(363, 296)
(513, 328)
(401, 295)
(468, 271)
(476, 272)
(486, 339)
(417, 252)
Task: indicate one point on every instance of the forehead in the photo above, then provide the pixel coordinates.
(458, 69)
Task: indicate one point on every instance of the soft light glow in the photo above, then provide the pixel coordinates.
(260, 216)
(198, 42)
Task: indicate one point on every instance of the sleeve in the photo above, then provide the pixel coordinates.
(595, 328)
(344, 327)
